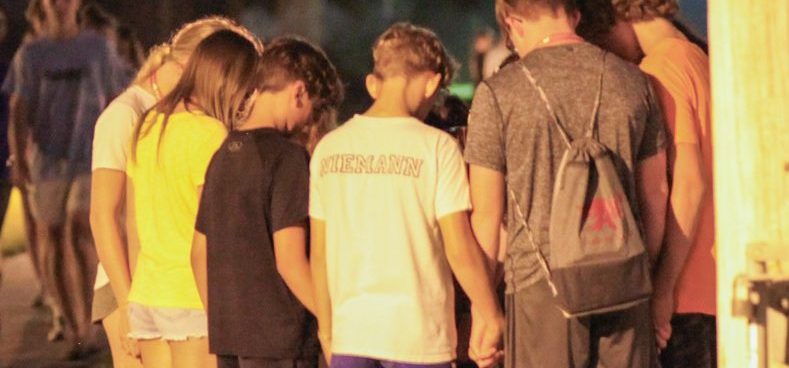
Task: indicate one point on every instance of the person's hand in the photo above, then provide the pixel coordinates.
(129, 344)
(662, 310)
(486, 340)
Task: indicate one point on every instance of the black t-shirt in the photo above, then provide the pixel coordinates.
(257, 183)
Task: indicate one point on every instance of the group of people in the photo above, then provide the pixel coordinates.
(235, 230)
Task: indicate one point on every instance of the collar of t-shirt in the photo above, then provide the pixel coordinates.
(387, 119)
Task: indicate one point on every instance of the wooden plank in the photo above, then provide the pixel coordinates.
(750, 80)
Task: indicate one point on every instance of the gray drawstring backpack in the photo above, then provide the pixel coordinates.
(598, 261)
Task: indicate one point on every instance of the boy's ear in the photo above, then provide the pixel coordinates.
(373, 84)
(433, 84)
(300, 94)
(575, 18)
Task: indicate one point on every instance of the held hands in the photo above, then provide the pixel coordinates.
(129, 344)
(662, 310)
(486, 339)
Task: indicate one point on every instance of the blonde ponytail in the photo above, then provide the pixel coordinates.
(158, 55)
(184, 41)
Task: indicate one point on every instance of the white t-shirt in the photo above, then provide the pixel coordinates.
(380, 185)
(112, 138)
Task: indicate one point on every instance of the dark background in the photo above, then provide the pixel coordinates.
(345, 28)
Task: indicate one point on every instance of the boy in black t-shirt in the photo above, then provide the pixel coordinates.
(249, 254)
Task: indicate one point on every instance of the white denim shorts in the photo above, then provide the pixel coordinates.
(170, 324)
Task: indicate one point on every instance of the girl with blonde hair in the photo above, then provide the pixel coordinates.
(113, 132)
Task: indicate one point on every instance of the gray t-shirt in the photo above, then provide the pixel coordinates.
(510, 131)
(65, 84)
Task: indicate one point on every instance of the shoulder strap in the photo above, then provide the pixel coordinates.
(593, 120)
(555, 118)
(544, 98)
(521, 217)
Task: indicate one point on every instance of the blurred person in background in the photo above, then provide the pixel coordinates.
(36, 19)
(482, 43)
(129, 47)
(5, 183)
(93, 17)
(495, 57)
(58, 84)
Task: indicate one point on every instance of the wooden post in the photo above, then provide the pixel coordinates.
(750, 82)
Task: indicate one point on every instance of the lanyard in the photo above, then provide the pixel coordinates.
(566, 37)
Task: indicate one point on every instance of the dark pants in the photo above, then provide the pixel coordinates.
(233, 361)
(538, 335)
(693, 342)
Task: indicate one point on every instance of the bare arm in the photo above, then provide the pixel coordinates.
(200, 266)
(290, 249)
(108, 193)
(320, 280)
(468, 263)
(687, 193)
(18, 132)
(652, 188)
(488, 202)
(199, 258)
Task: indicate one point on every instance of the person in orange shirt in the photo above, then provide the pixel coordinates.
(684, 301)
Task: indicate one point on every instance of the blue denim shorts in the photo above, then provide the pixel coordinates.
(170, 324)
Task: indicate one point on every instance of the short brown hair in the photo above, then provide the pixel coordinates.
(404, 49)
(289, 59)
(530, 8)
(636, 10)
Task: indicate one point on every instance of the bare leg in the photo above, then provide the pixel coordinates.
(79, 273)
(155, 354)
(49, 238)
(192, 353)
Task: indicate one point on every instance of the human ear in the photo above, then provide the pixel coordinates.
(432, 85)
(575, 19)
(300, 93)
(373, 84)
(512, 26)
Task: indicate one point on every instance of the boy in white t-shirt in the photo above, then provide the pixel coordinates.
(389, 205)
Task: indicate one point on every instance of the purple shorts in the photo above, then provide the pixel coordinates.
(347, 361)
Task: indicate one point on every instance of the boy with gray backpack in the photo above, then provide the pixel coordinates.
(572, 140)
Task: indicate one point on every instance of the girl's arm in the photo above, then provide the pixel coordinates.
(108, 192)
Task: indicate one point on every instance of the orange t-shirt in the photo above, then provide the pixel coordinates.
(681, 75)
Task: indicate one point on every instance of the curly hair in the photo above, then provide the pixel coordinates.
(406, 49)
(638, 10)
(598, 17)
(288, 59)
